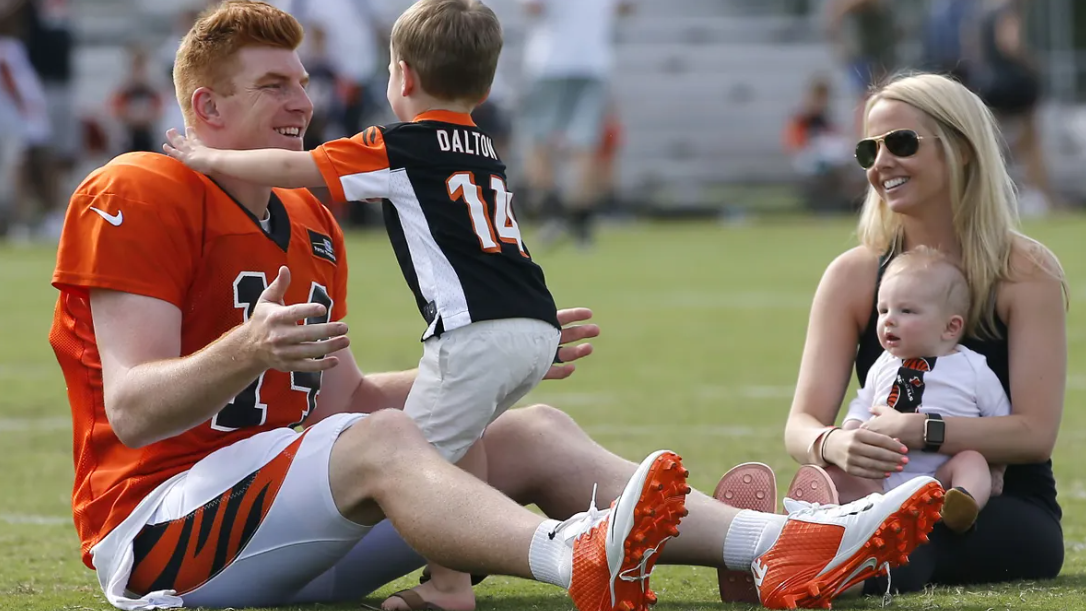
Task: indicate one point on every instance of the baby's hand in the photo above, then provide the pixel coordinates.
(189, 150)
(997, 478)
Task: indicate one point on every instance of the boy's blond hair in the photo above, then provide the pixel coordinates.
(939, 272)
(453, 46)
(207, 56)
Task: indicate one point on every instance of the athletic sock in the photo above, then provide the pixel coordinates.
(550, 558)
(751, 534)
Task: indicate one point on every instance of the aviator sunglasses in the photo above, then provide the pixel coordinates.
(900, 143)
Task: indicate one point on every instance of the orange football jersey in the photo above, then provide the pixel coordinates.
(146, 224)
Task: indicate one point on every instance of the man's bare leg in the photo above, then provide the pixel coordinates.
(539, 455)
(383, 467)
(447, 588)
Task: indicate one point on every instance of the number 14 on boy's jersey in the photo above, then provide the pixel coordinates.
(503, 227)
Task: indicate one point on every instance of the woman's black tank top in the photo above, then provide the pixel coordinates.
(1033, 482)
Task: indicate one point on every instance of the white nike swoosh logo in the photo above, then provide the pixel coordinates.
(610, 529)
(870, 563)
(112, 219)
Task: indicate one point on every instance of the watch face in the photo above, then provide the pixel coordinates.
(936, 431)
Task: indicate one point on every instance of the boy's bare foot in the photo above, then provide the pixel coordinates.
(428, 596)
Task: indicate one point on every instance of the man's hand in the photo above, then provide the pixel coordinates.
(189, 149)
(572, 333)
(279, 342)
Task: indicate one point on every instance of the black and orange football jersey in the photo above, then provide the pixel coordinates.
(449, 215)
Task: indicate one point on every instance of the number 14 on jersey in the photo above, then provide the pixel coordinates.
(503, 227)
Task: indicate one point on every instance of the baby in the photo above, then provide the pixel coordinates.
(923, 302)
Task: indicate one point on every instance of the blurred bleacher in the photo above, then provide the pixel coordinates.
(703, 88)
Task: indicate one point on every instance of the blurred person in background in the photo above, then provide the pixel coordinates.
(50, 44)
(492, 115)
(11, 110)
(607, 158)
(172, 117)
(568, 59)
(26, 129)
(356, 36)
(327, 93)
(864, 36)
(324, 90)
(1008, 79)
(949, 37)
(821, 155)
(137, 105)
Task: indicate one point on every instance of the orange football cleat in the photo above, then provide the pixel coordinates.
(825, 550)
(614, 554)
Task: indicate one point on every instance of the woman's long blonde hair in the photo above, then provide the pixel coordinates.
(982, 195)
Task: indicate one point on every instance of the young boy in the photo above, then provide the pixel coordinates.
(922, 304)
(492, 329)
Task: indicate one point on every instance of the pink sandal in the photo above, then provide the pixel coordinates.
(751, 486)
(813, 485)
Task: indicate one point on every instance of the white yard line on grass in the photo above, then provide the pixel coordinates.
(35, 520)
(1076, 382)
(707, 392)
(1072, 489)
(565, 399)
(33, 372)
(713, 300)
(685, 430)
(8, 425)
(758, 392)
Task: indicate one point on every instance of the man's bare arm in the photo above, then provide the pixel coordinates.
(152, 393)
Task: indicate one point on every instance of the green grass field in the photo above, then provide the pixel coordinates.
(702, 330)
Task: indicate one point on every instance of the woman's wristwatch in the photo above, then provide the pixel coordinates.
(934, 433)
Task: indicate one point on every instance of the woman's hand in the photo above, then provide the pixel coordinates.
(908, 428)
(865, 453)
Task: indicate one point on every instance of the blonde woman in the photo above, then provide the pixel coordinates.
(936, 178)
